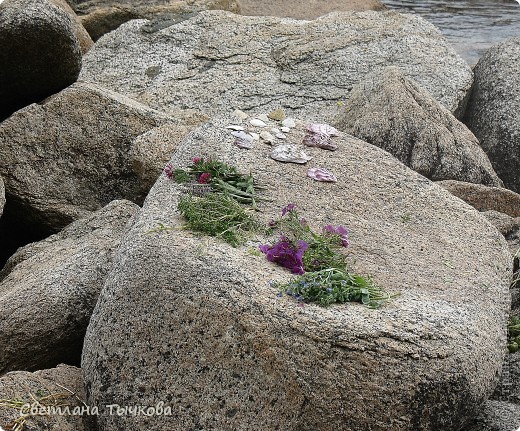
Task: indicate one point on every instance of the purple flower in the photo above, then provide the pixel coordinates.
(196, 160)
(339, 231)
(285, 254)
(288, 209)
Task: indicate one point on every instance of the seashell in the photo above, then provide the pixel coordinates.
(266, 136)
(277, 114)
(323, 129)
(289, 122)
(243, 139)
(290, 153)
(275, 130)
(281, 136)
(255, 136)
(264, 118)
(240, 114)
(285, 129)
(321, 174)
(257, 122)
(234, 127)
(319, 140)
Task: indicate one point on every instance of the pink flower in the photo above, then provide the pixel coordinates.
(204, 178)
(196, 160)
(169, 171)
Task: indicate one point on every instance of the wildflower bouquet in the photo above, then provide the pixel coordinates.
(220, 176)
(219, 210)
(319, 262)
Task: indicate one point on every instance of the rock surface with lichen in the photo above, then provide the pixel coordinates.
(494, 110)
(100, 16)
(194, 321)
(77, 152)
(2, 196)
(39, 52)
(217, 61)
(309, 9)
(394, 113)
(60, 386)
(48, 290)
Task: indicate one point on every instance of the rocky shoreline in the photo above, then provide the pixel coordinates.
(162, 328)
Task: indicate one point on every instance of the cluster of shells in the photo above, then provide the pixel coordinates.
(261, 129)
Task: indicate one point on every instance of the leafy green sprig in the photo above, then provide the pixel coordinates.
(218, 215)
(333, 285)
(513, 334)
(220, 176)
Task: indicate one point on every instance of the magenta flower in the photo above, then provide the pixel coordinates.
(285, 254)
(204, 178)
(169, 171)
(288, 209)
(196, 160)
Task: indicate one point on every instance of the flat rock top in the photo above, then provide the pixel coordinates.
(218, 61)
(444, 333)
(309, 9)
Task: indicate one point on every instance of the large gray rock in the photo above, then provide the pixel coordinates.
(508, 388)
(2, 196)
(75, 153)
(309, 9)
(485, 198)
(494, 110)
(84, 39)
(217, 61)
(60, 386)
(394, 113)
(39, 52)
(194, 323)
(48, 290)
(101, 16)
(497, 416)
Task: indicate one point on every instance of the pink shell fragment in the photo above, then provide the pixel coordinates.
(323, 129)
(321, 174)
(320, 140)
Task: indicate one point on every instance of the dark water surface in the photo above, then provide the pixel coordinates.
(471, 26)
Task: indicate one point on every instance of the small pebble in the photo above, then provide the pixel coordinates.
(277, 114)
(234, 127)
(285, 129)
(255, 136)
(240, 114)
(281, 136)
(289, 122)
(264, 118)
(275, 130)
(266, 136)
(257, 122)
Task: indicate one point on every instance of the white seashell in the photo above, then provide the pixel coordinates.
(289, 122)
(290, 153)
(281, 136)
(324, 129)
(234, 127)
(275, 130)
(321, 174)
(257, 123)
(243, 139)
(264, 118)
(266, 136)
(255, 136)
(240, 114)
(285, 129)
